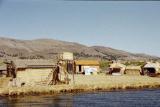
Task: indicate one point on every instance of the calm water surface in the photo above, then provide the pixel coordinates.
(141, 98)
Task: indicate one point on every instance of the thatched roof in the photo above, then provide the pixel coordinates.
(152, 65)
(117, 65)
(87, 62)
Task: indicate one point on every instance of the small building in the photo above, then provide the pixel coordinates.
(117, 68)
(151, 69)
(87, 65)
(133, 70)
(32, 71)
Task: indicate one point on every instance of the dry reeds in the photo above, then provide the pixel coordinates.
(87, 83)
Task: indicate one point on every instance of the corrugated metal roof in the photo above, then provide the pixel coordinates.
(87, 62)
(41, 66)
(3, 67)
(35, 62)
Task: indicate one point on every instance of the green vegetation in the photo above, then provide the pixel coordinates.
(104, 64)
(136, 63)
(1, 62)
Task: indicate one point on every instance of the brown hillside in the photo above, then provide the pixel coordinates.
(48, 48)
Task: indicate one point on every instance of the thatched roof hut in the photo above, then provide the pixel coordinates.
(151, 68)
(117, 68)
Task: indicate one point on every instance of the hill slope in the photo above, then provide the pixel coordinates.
(48, 48)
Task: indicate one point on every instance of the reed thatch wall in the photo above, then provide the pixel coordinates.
(132, 72)
(31, 76)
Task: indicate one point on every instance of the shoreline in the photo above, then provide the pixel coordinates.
(107, 83)
(73, 91)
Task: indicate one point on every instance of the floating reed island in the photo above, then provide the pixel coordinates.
(84, 83)
(69, 76)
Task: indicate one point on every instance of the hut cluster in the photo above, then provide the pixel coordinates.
(62, 71)
(149, 68)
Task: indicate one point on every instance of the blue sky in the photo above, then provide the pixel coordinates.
(131, 26)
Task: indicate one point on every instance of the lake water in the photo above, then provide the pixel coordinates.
(131, 98)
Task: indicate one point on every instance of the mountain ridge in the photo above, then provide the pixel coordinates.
(44, 48)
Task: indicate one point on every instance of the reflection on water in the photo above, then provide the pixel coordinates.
(143, 98)
(37, 101)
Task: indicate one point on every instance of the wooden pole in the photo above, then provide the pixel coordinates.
(73, 72)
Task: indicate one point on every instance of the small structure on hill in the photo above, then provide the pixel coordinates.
(87, 67)
(133, 70)
(117, 68)
(151, 69)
